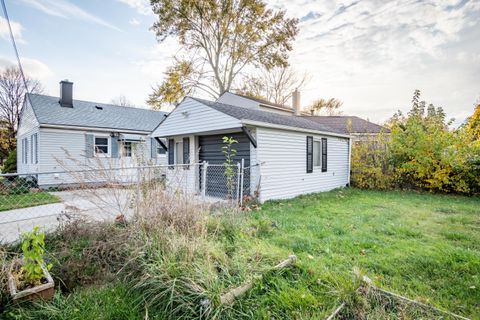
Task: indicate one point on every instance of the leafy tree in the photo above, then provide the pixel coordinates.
(218, 40)
(275, 85)
(329, 107)
(473, 124)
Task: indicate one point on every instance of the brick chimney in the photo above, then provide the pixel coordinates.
(296, 102)
(66, 94)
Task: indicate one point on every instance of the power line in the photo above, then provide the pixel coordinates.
(12, 38)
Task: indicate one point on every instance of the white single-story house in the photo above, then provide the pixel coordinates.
(288, 154)
(54, 130)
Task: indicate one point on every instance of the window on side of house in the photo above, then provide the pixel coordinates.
(25, 150)
(102, 146)
(33, 148)
(160, 149)
(179, 153)
(317, 153)
(127, 149)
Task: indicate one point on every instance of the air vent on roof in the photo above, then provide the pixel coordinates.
(99, 108)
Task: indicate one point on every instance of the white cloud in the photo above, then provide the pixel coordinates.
(134, 22)
(141, 6)
(372, 54)
(67, 10)
(17, 29)
(156, 60)
(33, 68)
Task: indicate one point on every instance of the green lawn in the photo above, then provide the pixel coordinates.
(23, 200)
(423, 246)
(426, 247)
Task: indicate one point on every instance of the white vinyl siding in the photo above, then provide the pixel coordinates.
(283, 171)
(191, 116)
(27, 129)
(63, 150)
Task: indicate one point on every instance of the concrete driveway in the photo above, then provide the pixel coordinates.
(94, 204)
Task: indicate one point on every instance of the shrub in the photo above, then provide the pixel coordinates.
(11, 163)
(371, 168)
(420, 153)
(33, 249)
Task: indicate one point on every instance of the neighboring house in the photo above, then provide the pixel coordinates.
(296, 155)
(55, 134)
(264, 105)
(358, 128)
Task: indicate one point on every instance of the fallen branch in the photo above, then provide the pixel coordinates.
(424, 306)
(336, 312)
(230, 296)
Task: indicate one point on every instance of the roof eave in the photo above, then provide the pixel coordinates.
(290, 128)
(70, 127)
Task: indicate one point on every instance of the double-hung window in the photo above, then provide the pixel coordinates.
(317, 153)
(179, 153)
(25, 150)
(102, 146)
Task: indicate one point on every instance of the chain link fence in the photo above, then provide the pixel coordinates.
(47, 199)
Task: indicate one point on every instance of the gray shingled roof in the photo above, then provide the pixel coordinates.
(266, 117)
(349, 124)
(47, 109)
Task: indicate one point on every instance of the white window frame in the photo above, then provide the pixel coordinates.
(109, 146)
(178, 155)
(123, 144)
(319, 155)
(33, 150)
(25, 150)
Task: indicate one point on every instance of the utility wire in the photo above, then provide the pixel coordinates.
(12, 38)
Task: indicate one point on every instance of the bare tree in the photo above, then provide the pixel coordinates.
(275, 85)
(12, 95)
(327, 107)
(121, 100)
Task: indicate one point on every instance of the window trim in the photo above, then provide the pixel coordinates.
(123, 149)
(319, 142)
(109, 146)
(25, 150)
(178, 144)
(160, 148)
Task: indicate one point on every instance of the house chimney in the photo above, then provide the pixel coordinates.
(296, 102)
(66, 96)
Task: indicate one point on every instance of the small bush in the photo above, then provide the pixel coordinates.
(33, 250)
(11, 163)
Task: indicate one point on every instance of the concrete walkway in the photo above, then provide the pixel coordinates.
(95, 204)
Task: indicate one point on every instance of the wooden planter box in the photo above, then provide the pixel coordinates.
(44, 291)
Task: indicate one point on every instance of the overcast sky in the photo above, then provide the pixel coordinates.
(370, 54)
